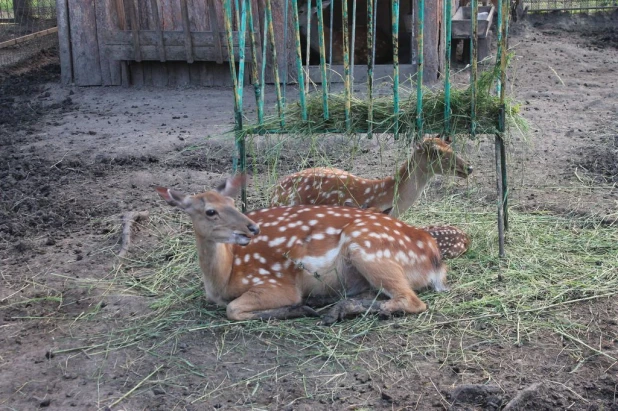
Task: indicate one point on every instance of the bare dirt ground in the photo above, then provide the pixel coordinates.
(72, 160)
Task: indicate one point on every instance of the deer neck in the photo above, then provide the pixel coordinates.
(409, 182)
(216, 264)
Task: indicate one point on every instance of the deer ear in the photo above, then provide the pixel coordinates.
(448, 140)
(174, 198)
(231, 187)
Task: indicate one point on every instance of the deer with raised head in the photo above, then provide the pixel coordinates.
(266, 263)
(331, 186)
(383, 44)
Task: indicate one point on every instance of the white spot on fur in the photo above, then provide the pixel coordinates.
(277, 241)
(263, 271)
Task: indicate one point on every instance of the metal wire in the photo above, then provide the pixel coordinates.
(20, 18)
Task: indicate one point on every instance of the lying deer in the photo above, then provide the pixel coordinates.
(383, 45)
(331, 186)
(265, 264)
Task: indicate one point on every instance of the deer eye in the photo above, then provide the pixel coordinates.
(211, 213)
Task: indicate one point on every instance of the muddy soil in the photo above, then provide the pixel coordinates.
(73, 160)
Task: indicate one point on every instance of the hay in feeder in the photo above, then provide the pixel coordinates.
(487, 112)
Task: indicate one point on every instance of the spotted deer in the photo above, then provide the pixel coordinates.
(266, 263)
(331, 186)
(383, 45)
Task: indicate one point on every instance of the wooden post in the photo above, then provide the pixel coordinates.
(66, 61)
(84, 44)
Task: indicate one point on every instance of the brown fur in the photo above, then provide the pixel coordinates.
(306, 251)
(336, 187)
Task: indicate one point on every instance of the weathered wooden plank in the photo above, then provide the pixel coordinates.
(431, 48)
(121, 14)
(206, 78)
(107, 20)
(137, 74)
(173, 53)
(157, 28)
(134, 22)
(66, 62)
(159, 74)
(28, 37)
(147, 65)
(215, 29)
(84, 45)
(198, 15)
(183, 78)
(170, 38)
(186, 30)
(125, 74)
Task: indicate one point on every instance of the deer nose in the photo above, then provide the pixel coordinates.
(469, 169)
(254, 229)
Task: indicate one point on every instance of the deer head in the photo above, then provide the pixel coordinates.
(215, 219)
(441, 159)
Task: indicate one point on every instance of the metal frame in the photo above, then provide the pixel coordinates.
(270, 39)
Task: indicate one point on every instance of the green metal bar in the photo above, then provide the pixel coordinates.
(353, 44)
(448, 20)
(500, 43)
(395, 37)
(239, 137)
(370, 64)
(419, 67)
(308, 45)
(227, 19)
(299, 61)
(254, 66)
(473, 63)
(241, 55)
(322, 59)
(286, 54)
(273, 51)
(236, 9)
(500, 189)
(346, 64)
(264, 62)
(330, 38)
(503, 58)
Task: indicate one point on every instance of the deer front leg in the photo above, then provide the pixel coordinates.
(267, 303)
(351, 308)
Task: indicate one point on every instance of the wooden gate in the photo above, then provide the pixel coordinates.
(151, 42)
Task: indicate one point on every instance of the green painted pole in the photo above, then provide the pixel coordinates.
(353, 44)
(500, 43)
(346, 64)
(322, 59)
(299, 61)
(370, 64)
(273, 52)
(264, 62)
(254, 66)
(395, 37)
(227, 19)
(239, 136)
(448, 20)
(473, 64)
(419, 67)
